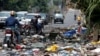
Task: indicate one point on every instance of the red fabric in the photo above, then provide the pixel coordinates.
(79, 29)
(18, 47)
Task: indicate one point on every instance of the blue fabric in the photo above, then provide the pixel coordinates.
(69, 33)
(39, 26)
(72, 31)
(18, 36)
(84, 31)
(11, 22)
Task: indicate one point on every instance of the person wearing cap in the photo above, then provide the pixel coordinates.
(13, 23)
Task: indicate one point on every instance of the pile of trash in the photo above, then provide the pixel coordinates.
(39, 45)
(76, 49)
(29, 46)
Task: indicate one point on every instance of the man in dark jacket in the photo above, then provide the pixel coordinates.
(13, 23)
(34, 24)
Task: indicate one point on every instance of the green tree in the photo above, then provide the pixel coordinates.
(41, 4)
(57, 2)
(25, 4)
(91, 9)
(15, 4)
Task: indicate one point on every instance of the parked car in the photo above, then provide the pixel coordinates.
(21, 15)
(58, 17)
(28, 17)
(3, 16)
(45, 18)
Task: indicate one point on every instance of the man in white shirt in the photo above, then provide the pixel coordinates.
(40, 21)
(40, 25)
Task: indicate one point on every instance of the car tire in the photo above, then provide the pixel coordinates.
(62, 22)
(54, 22)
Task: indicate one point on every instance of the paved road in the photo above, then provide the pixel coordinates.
(68, 21)
(1, 35)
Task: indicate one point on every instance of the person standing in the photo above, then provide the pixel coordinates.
(75, 16)
(79, 20)
(40, 25)
(34, 24)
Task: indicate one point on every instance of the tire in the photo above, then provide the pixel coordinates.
(62, 22)
(54, 22)
(8, 44)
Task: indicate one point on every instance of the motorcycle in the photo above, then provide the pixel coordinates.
(26, 30)
(9, 37)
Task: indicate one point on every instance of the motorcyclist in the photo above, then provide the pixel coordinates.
(13, 23)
